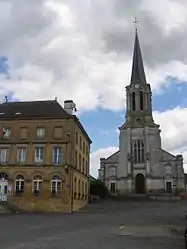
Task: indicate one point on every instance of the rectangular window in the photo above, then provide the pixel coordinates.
(39, 155)
(56, 186)
(83, 167)
(19, 186)
(86, 168)
(40, 133)
(76, 159)
(57, 155)
(37, 185)
(141, 101)
(133, 101)
(80, 162)
(76, 138)
(83, 147)
(80, 143)
(6, 133)
(21, 155)
(3, 156)
(112, 172)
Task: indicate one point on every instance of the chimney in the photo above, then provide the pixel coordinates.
(69, 106)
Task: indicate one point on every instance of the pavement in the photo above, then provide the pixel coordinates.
(106, 225)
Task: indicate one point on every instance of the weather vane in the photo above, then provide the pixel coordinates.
(135, 23)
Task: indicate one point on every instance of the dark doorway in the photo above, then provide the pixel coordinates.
(140, 184)
(112, 187)
(168, 187)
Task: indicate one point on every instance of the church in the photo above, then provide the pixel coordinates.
(141, 165)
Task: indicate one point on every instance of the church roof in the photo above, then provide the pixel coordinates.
(138, 73)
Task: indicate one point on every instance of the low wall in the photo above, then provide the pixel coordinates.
(78, 204)
(39, 205)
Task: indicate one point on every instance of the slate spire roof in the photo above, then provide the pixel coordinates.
(138, 73)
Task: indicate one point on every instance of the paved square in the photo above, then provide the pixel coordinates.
(110, 225)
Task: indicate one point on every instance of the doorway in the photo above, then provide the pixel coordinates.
(168, 187)
(3, 186)
(140, 184)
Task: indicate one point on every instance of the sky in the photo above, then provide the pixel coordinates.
(82, 50)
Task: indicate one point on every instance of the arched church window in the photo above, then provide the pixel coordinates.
(141, 101)
(142, 152)
(138, 152)
(135, 152)
(133, 101)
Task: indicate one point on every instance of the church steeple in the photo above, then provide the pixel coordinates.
(138, 73)
(138, 93)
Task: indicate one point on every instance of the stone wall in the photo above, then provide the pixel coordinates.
(78, 204)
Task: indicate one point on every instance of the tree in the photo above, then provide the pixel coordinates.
(98, 188)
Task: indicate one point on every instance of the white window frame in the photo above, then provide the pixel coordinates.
(40, 132)
(4, 155)
(21, 154)
(19, 180)
(56, 182)
(38, 182)
(39, 159)
(58, 154)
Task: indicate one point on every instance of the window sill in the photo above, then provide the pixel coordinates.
(3, 163)
(38, 163)
(21, 163)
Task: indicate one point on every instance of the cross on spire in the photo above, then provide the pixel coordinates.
(135, 23)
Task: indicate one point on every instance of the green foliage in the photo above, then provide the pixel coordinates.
(98, 188)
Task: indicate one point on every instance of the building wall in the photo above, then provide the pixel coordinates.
(61, 133)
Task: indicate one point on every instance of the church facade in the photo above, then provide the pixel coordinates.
(141, 165)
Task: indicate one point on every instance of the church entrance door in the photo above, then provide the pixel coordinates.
(140, 184)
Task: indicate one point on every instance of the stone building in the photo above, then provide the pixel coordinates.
(141, 165)
(44, 156)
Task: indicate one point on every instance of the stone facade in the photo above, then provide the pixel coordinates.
(59, 180)
(141, 165)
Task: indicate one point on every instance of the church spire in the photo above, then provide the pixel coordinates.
(138, 73)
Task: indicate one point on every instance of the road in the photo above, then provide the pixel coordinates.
(144, 225)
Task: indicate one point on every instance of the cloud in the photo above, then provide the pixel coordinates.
(83, 49)
(173, 124)
(96, 155)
